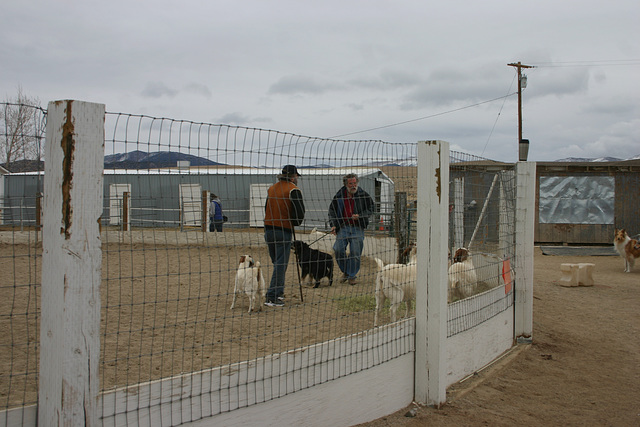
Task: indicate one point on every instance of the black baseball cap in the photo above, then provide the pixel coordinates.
(290, 170)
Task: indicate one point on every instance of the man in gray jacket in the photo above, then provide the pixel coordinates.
(349, 213)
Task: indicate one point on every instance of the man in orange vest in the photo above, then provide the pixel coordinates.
(284, 209)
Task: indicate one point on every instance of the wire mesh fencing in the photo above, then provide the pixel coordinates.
(184, 238)
(21, 143)
(481, 240)
(169, 280)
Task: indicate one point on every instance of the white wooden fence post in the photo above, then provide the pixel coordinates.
(431, 286)
(71, 264)
(525, 217)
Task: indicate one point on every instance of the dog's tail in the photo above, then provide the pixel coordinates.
(379, 263)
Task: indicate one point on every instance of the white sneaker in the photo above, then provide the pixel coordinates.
(274, 304)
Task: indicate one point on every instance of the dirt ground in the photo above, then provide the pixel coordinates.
(583, 367)
(166, 310)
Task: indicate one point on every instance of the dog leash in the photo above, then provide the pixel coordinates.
(319, 238)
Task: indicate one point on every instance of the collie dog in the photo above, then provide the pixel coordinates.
(628, 248)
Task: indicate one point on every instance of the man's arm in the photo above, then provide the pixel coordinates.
(368, 205)
(334, 214)
(297, 207)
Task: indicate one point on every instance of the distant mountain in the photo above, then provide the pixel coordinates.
(398, 162)
(585, 159)
(159, 159)
(318, 166)
(598, 159)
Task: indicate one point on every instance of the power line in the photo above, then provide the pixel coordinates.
(498, 116)
(602, 63)
(425, 117)
(555, 64)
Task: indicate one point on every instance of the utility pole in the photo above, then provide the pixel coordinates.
(520, 66)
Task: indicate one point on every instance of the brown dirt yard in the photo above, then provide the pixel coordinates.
(583, 367)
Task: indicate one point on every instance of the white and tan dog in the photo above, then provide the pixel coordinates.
(249, 280)
(462, 275)
(628, 248)
(396, 282)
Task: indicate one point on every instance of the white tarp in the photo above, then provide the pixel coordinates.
(577, 199)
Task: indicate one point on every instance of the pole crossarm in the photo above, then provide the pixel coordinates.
(519, 65)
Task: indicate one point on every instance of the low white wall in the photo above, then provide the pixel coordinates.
(25, 416)
(469, 351)
(323, 384)
(355, 399)
(348, 380)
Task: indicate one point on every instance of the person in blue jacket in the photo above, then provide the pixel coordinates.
(215, 214)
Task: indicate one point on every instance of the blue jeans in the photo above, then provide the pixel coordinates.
(353, 237)
(279, 245)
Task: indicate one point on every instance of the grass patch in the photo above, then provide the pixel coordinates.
(364, 303)
(357, 303)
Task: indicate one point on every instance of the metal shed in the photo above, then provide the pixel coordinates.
(156, 200)
(584, 202)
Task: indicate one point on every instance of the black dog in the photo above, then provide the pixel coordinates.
(313, 263)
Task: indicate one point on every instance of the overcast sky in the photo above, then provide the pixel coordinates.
(398, 71)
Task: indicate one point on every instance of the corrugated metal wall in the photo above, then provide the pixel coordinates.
(155, 197)
(161, 192)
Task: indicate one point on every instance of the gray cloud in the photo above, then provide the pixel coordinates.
(613, 107)
(441, 93)
(388, 80)
(157, 90)
(300, 84)
(307, 69)
(235, 118)
(355, 107)
(198, 89)
(559, 83)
